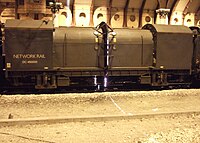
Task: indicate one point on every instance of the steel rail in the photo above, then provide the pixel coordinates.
(100, 118)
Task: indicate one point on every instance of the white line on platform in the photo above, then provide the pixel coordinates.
(117, 105)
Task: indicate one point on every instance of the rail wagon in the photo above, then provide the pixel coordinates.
(43, 57)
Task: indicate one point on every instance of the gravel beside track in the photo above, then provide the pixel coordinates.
(172, 129)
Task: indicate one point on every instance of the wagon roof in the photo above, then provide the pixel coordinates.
(168, 28)
(30, 24)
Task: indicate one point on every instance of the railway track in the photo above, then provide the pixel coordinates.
(100, 118)
(29, 90)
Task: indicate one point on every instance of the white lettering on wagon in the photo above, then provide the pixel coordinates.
(29, 56)
(29, 62)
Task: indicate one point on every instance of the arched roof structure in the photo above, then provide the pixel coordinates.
(119, 13)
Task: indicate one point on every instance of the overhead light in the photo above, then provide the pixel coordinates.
(113, 33)
(96, 33)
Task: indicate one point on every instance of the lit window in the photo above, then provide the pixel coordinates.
(82, 15)
(100, 15)
(132, 18)
(64, 13)
(116, 17)
(147, 18)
